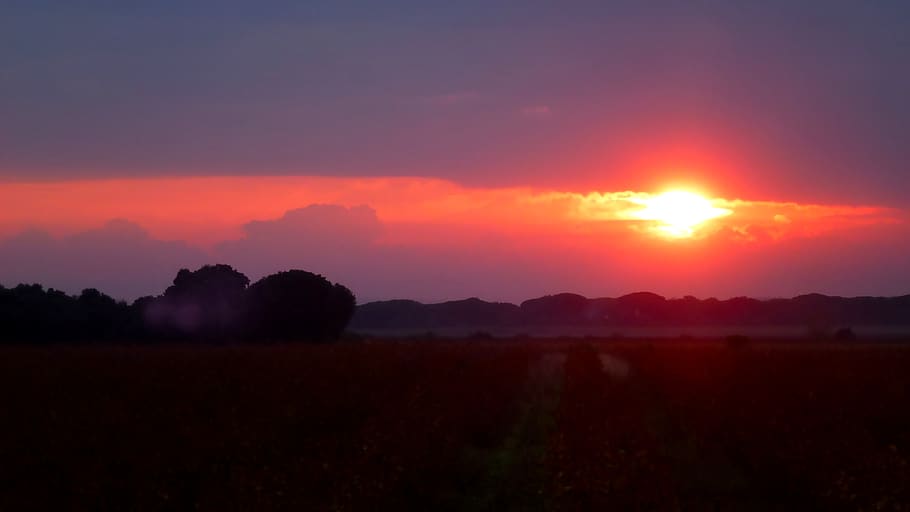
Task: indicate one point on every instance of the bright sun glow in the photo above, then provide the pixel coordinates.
(679, 212)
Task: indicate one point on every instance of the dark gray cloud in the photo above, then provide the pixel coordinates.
(808, 97)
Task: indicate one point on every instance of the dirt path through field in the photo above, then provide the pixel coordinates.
(516, 478)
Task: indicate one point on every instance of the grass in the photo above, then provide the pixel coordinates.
(473, 425)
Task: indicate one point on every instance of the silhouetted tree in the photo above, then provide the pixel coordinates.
(297, 305)
(100, 317)
(204, 304)
(29, 313)
(32, 313)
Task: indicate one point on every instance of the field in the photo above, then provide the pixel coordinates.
(446, 425)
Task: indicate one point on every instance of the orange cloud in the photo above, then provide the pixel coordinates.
(207, 210)
(777, 219)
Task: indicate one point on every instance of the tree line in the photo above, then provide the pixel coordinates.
(214, 303)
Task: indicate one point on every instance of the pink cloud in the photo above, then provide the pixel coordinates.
(536, 111)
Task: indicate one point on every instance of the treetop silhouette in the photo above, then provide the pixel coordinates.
(214, 303)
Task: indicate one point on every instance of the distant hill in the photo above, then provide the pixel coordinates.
(641, 309)
(395, 314)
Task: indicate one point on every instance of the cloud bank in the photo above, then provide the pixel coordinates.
(435, 240)
(207, 211)
(119, 258)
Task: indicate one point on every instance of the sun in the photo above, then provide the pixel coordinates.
(678, 212)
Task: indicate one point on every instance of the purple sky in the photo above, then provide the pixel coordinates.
(786, 102)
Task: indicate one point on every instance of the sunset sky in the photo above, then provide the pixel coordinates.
(443, 150)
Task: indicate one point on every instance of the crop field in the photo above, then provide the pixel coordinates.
(457, 425)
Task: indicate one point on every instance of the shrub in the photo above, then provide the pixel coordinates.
(845, 334)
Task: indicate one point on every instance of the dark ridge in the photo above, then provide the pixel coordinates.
(637, 309)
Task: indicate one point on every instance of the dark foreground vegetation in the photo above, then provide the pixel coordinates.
(212, 304)
(533, 425)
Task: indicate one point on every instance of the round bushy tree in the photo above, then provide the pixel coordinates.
(205, 303)
(297, 306)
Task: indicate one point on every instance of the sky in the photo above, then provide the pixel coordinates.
(442, 150)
